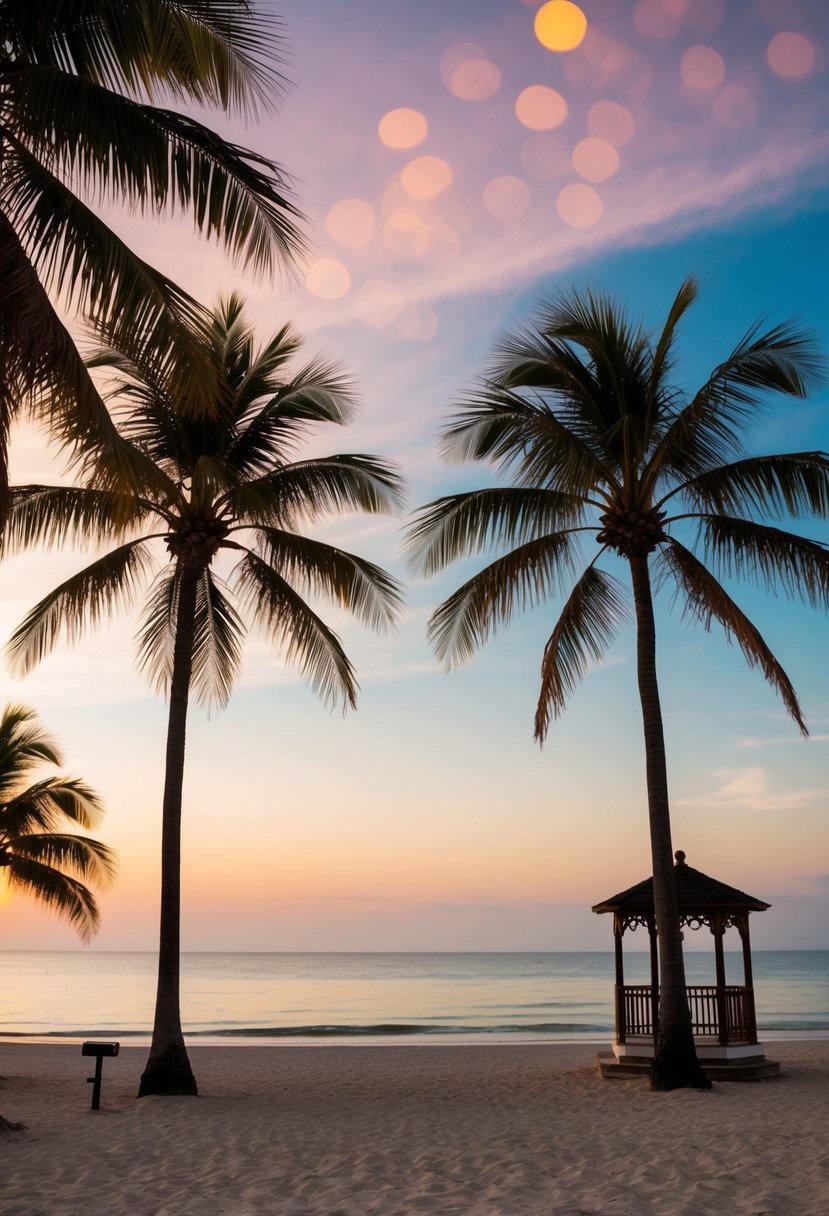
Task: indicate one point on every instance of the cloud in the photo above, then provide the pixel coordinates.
(749, 789)
(753, 741)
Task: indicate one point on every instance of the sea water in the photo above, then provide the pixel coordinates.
(277, 997)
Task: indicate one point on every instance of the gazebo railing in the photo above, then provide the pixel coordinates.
(637, 1012)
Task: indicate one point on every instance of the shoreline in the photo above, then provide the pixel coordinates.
(481, 1039)
(514, 1130)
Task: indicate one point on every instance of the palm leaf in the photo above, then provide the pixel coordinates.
(84, 599)
(796, 483)
(461, 524)
(353, 583)
(55, 515)
(310, 646)
(308, 490)
(776, 558)
(43, 806)
(707, 601)
(60, 893)
(217, 644)
(521, 579)
(585, 629)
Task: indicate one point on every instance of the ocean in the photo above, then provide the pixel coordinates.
(238, 998)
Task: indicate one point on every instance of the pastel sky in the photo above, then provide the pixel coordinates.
(457, 171)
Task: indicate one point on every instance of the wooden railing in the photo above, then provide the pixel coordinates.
(726, 1014)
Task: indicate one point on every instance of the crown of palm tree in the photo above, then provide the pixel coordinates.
(583, 411)
(220, 482)
(81, 84)
(35, 855)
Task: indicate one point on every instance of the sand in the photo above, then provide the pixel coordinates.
(483, 1130)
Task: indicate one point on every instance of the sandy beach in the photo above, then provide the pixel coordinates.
(483, 1130)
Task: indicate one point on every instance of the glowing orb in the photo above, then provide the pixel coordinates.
(402, 128)
(351, 222)
(560, 25)
(506, 198)
(401, 232)
(328, 279)
(540, 108)
(579, 206)
(702, 68)
(611, 121)
(790, 54)
(595, 159)
(426, 177)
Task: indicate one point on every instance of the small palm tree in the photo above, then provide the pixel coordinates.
(220, 482)
(582, 410)
(80, 83)
(35, 855)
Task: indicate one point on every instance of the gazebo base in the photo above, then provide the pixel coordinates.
(754, 1067)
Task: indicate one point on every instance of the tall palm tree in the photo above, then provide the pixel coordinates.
(81, 82)
(221, 483)
(36, 856)
(583, 411)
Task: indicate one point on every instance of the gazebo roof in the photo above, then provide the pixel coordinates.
(695, 892)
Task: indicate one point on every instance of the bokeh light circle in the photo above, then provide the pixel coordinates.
(506, 198)
(426, 177)
(579, 206)
(702, 68)
(611, 121)
(402, 128)
(540, 108)
(560, 25)
(790, 54)
(328, 279)
(351, 222)
(595, 159)
(400, 233)
(734, 107)
(468, 73)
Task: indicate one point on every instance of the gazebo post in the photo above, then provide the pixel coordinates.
(654, 978)
(718, 929)
(618, 930)
(748, 978)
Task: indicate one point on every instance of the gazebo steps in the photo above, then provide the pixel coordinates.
(715, 1070)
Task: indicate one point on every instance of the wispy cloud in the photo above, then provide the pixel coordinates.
(750, 789)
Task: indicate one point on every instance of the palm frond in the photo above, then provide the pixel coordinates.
(768, 556)
(309, 645)
(498, 425)
(43, 371)
(54, 515)
(23, 746)
(588, 623)
(794, 483)
(707, 601)
(351, 582)
(62, 894)
(217, 643)
(82, 600)
(156, 635)
(711, 429)
(308, 490)
(43, 806)
(462, 524)
(520, 579)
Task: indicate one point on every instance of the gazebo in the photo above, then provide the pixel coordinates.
(722, 1014)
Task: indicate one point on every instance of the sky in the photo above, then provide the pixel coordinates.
(459, 164)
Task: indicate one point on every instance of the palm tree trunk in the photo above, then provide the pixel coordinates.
(675, 1062)
(168, 1068)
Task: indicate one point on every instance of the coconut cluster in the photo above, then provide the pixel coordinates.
(631, 533)
(197, 539)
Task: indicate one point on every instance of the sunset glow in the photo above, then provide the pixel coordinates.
(461, 164)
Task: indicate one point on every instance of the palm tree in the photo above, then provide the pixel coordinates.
(35, 855)
(582, 410)
(222, 483)
(80, 83)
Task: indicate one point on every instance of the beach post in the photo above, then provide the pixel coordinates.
(98, 1050)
